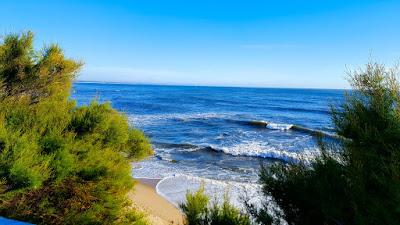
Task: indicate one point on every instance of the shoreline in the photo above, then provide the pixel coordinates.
(158, 210)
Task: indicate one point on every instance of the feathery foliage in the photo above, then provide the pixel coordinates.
(198, 211)
(60, 163)
(360, 182)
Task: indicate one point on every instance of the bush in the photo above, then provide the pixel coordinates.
(196, 207)
(360, 182)
(227, 214)
(59, 163)
(198, 211)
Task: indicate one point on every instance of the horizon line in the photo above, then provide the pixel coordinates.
(203, 85)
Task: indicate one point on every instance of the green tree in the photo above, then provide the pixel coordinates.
(60, 163)
(354, 182)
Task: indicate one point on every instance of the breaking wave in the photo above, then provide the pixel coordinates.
(184, 118)
(284, 127)
(248, 149)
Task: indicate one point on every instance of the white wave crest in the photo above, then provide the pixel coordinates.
(256, 149)
(277, 126)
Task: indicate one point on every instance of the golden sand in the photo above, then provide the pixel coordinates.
(159, 211)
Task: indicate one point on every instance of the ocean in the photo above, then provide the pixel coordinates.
(218, 136)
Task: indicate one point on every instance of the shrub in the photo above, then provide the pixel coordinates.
(360, 182)
(196, 207)
(59, 163)
(137, 146)
(198, 211)
(227, 214)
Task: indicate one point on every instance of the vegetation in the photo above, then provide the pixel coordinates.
(358, 182)
(66, 164)
(60, 163)
(198, 211)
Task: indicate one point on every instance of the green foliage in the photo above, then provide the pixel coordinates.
(60, 163)
(137, 146)
(196, 207)
(359, 183)
(199, 212)
(35, 74)
(227, 214)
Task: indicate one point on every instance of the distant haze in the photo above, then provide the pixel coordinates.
(220, 43)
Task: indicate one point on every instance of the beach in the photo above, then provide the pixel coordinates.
(158, 210)
(217, 136)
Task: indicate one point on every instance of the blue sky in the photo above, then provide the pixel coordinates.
(209, 42)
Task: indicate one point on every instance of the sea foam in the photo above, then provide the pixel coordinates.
(174, 189)
(259, 149)
(277, 126)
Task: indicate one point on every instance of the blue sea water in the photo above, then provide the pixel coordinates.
(217, 136)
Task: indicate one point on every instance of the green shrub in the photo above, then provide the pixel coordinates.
(227, 214)
(198, 211)
(355, 182)
(137, 145)
(59, 163)
(196, 207)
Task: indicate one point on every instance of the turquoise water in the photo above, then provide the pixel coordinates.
(217, 135)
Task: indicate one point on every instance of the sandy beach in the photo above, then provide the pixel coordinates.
(158, 209)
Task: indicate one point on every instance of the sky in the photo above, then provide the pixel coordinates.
(300, 44)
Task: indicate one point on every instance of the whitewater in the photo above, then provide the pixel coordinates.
(218, 136)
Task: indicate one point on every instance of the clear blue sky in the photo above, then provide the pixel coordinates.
(209, 42)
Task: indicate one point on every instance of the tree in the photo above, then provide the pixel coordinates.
(354, 182)
(60, 163)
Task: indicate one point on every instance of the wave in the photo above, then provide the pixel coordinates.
(269, 125)
(284, 127)
(185, 146)
(317, 133)
(175, 145)
(277, 126)
(254, 149)
(264, 124)
(151, 119)
(249, 149)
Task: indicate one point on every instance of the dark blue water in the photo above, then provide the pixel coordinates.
(210, 132)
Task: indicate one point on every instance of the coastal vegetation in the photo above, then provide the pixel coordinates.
(355, 180)
(60, 163)
(199, 211)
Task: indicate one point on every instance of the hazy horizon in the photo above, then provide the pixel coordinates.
(200, 85)
(288, 44)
